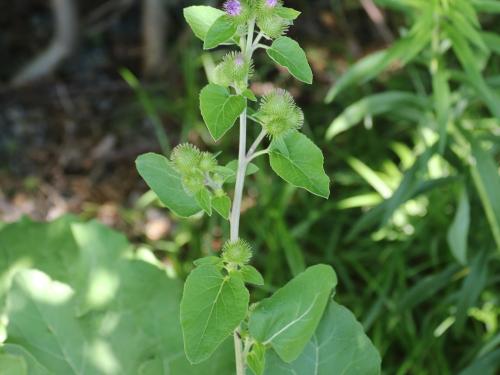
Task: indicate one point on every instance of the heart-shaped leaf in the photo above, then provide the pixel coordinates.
(212, 306)
(220, 109)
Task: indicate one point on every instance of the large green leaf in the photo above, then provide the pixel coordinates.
(201, 18)
(297, 160)
(220, 109)
(119, 335)
(339, 346)
(41, 319)
(97, 278)
(222, 30)
(33, 366)
(287, 320)
(166, 182)
(49, 247)
(212, 306)
(287, 52)
(12, 365)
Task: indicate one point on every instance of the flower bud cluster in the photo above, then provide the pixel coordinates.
(264, 11)
(240, 11)
(279, 114)
(237, 252)
(234, 70)
(197, 169)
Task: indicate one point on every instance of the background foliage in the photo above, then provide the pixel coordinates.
(409, 129)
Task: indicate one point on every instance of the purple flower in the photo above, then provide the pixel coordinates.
(232, 7)
(239, 60)
(271, 3)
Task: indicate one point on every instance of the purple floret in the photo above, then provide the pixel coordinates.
(239, 60)
(232, 7)
(271, 3)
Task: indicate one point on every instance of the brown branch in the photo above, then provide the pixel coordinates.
(62, 45)
(378, 19)
(154, 31)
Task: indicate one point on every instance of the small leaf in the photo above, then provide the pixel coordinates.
(287, 52)
(256, 359)
(166, 182)
(220, 109)
(251, 275)
(459, 229)
(212, 306)
(210, 260)
(222, 30)
(297, 160)
(201, 18)
(288, 13)
(222, 205)
(204, 200)
(339, 346)
(249, 95)
(233, 167)
(287, 320)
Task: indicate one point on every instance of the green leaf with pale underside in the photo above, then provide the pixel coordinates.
(212, 306)
(201, 18)
(287, 52)
(297, 160)
(165, 181)
(220, 109)
(287, 320)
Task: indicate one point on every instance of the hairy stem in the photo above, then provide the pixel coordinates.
(240, 179)
(240, 360)
(234, 220)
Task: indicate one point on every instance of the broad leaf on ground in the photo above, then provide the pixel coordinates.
(139, 324)
(12, 365)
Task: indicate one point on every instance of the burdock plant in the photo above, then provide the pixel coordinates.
(299, 329)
